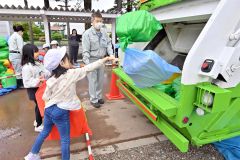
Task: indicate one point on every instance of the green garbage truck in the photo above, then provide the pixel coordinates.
(201, 37)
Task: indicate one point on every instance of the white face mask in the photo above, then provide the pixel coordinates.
(98, 25)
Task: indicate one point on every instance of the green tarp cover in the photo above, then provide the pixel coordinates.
(136, 26)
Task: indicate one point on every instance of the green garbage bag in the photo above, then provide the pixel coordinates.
(4, 49)
(8, 82)
(152, 4)
(162, 87)
(4, 53)
(136, 26)
(176, 85)
(172, 90)
(3, 42)
(166, 88)
(177, 96)
(2, 68)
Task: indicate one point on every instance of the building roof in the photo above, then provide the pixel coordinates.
(13, 13)
(57, 28)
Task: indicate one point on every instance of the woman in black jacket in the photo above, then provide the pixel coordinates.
(74, 46)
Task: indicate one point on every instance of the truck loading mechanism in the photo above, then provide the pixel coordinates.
(202, 38)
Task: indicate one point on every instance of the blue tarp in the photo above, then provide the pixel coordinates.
(147, 68)
(229, 148)
(4, 91)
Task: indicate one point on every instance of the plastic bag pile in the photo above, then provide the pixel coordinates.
(7, 80)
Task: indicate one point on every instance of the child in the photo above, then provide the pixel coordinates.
(46, 47)
(54, 44)
(60, 97)
(32, 74)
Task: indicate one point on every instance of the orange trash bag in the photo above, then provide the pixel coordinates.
(78, 120)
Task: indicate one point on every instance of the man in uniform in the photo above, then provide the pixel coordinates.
(96, 45)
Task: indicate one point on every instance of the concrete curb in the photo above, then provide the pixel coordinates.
(116, 147)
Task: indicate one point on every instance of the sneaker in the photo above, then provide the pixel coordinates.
(96, 105)
(32, 156)
(39, 128)
(35, 123)
(101, 101)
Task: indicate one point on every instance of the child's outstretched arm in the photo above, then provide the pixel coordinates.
(80, 73)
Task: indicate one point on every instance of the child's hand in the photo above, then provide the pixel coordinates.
(41, 78)
(106, 59)
(111, 58)
(115, 61)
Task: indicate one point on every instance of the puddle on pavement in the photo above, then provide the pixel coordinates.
(103, 130)
(9, 133)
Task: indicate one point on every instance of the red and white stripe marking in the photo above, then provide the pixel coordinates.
(89, 147)
(5, 77)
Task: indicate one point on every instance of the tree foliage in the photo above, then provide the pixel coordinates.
(56, 36)
(126, 5)
(37, 31)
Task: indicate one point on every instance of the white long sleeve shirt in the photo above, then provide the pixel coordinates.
(31, 74)
(15, 42)
(62, 91)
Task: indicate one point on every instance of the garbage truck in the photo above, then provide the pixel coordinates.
(201, 37)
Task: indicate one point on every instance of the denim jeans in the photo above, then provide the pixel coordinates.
(59, 117)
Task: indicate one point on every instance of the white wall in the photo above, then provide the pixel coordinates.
(80, 27)
(4, 28)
